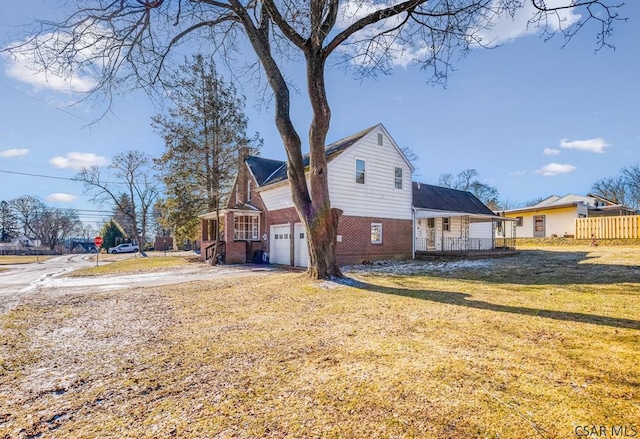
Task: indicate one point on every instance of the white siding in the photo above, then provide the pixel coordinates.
(481, 229)
(278, 197)
(378, 196)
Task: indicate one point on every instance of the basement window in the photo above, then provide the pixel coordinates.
(376, 233)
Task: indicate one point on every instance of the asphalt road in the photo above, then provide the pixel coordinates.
(49, 277)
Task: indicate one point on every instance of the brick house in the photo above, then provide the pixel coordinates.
(369, 179)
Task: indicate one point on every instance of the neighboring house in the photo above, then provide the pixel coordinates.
(555, 216)
(370, 181)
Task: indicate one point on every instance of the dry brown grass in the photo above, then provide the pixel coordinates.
(529, 346)
(126, 264)
(12, 260)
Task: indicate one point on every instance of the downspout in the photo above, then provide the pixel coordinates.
(413, 233)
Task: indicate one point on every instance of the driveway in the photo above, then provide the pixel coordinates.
(49, 277)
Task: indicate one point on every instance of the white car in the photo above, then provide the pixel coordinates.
(124, 248)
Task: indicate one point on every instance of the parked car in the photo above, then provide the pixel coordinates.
(124, 248)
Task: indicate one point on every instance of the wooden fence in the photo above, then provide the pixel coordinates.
(608, 227)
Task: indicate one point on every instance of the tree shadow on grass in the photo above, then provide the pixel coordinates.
(464, 299)
(528, 267)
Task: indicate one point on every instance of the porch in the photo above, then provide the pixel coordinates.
(439, 233)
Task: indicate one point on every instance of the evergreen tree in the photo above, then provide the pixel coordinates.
(111, 233)
(8, 223)
(203, 132)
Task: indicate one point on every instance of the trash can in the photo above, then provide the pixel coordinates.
(258, 257)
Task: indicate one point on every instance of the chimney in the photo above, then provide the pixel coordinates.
(243, 175)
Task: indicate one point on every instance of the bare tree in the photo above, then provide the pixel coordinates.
(133, 189)
(27, 209)
(623, 188)
(131, 40)
(49, 225)
(467, 181)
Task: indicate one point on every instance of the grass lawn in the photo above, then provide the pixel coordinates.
(535, 345)
(12, 260)
(128, 263)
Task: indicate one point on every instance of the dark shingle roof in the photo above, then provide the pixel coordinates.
(263, 168)
(269, 171)
(426, 196)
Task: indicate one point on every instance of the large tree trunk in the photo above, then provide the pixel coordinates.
(312, 204)
(321, 221)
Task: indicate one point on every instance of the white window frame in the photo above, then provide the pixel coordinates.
(246, 228)
(377, 233)
(446, 224)
(380, 139)
(519, 221)
(363, 172)
(248, 190)
(397, 180)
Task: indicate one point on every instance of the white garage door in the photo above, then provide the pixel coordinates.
(301, 251)
(280, 250)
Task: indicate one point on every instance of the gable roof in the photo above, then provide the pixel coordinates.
(589, 199)
(426, 196)
(262, 168)
(268, 171)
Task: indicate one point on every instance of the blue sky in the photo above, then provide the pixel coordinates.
(534, 119)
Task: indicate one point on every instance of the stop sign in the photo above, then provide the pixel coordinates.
(98, 241)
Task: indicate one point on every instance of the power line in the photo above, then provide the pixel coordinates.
(45, 103)
(37, 175)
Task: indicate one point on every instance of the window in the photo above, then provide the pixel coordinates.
(248, 190)
(445, 224)
(246, 228)
(379, 138)
(360, 166)
(519, 221)
(431, 223)
(398, 178)
(376, 233)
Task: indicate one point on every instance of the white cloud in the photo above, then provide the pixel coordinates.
(21, 68)
(15, 152)
(504, 28)
(555, 169)
(59, 197)
(39, 62)
(594, 145)
(78, 160)
(551, 151)
(399, 48)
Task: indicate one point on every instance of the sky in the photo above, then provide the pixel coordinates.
(532, 117)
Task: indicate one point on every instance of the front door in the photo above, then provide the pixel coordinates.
(538, 226)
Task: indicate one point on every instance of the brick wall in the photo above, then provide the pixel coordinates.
(356, 246)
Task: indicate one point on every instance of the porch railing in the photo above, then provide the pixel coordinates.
(455, 244)
(208, 251)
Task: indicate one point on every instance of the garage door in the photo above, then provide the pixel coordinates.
(280, 248)
(301, 251)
